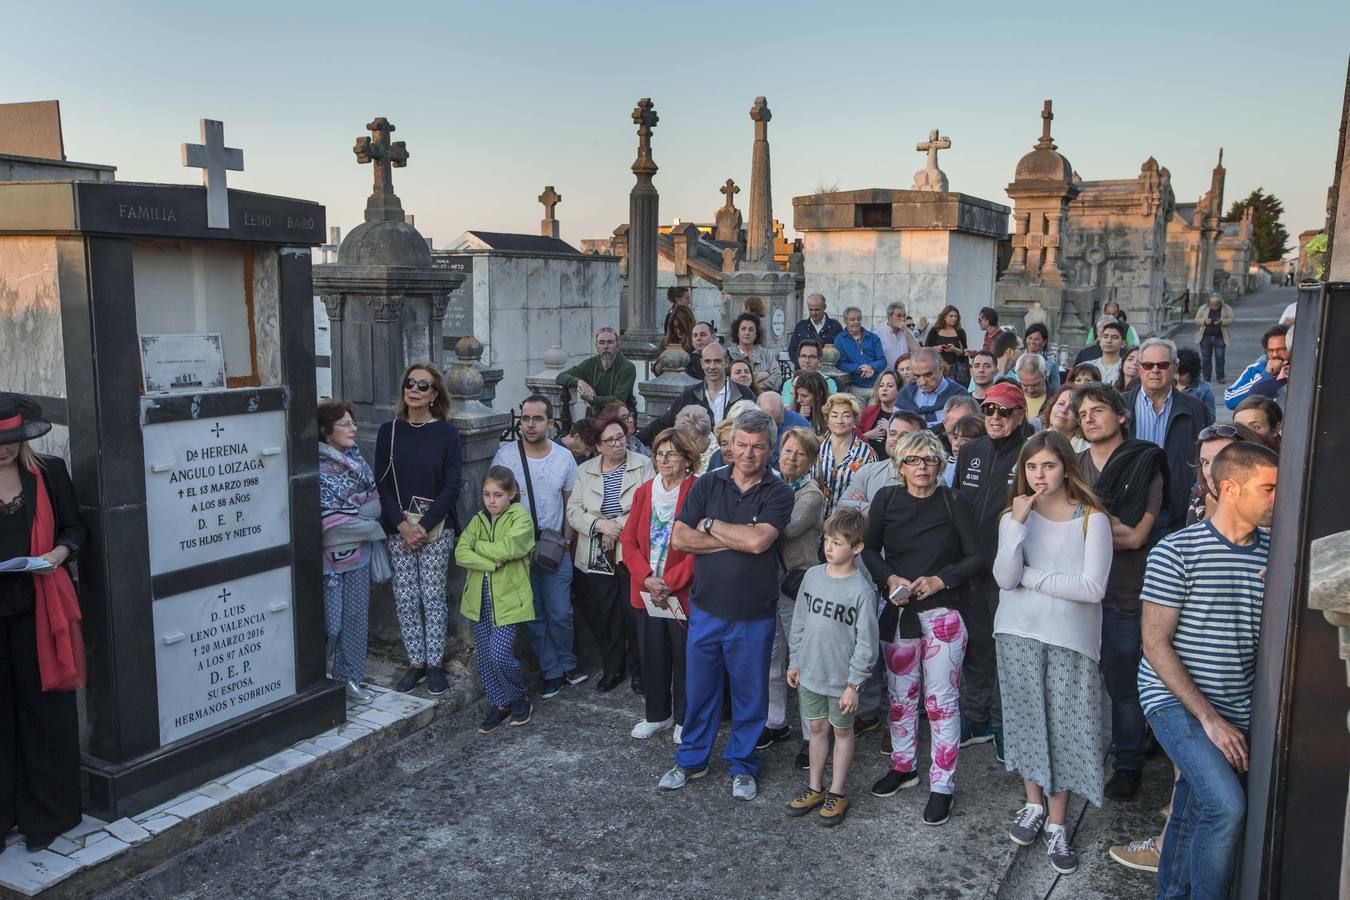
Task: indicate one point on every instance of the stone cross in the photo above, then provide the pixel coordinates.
(550, 198)
(645, 117)
(215, 159)
(730, 190)
(1047, 116)
(728, 219)
(385, 155)
(759, 240)
(931, 178)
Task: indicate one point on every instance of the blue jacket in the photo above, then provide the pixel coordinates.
(907, 399)
(1201, 390)
(851, 360)
(1236, 392)
(804, 329)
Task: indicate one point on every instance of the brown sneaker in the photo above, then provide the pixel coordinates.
(1142, 855)
(886, 743)
(863, 725)
(804, 802)
(833, 810)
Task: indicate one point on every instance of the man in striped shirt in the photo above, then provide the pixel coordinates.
(1202, 596)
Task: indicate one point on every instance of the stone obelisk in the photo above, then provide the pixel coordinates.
(639, 326)
(759, 275)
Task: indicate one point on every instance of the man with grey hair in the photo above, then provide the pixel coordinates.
(860, 352)
(730, 520)
(928, 393)
(1172, 419)
(605, 377)
(1033, 373)
(896, 337)
(817, 326)
(784, 418)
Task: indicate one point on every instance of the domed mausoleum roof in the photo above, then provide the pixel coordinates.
(1043, 163)
(384, 243)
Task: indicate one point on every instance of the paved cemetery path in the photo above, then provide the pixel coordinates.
(1252, 315)
(567, 807)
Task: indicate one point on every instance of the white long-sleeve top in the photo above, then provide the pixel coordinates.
(1053, 578)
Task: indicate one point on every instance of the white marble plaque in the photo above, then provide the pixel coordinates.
(215, 488)
(173, 363)
(222, 651)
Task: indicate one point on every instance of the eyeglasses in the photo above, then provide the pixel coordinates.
(667, 454)
(994, 409)
(1150, 366)
(1218, 431)
(351, 425)
(417, 384)
(929, 461)
(615, 441)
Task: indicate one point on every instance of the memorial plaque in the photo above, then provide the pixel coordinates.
(222, 651)
(459, 311)
(215, 487)
(182, 362)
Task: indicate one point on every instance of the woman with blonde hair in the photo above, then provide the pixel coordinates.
(1054, 555)
(419, 460)
(876, 418)
(842, 453)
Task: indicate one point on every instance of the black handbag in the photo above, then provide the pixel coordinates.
(549, 545)
(792, 582)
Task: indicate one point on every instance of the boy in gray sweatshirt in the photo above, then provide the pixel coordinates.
(831, 650)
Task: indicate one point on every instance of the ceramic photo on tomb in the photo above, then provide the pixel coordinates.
(172, 363)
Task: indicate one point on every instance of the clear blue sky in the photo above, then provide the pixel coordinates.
(495, 100)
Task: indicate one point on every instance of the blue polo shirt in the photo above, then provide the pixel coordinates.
(730, 584)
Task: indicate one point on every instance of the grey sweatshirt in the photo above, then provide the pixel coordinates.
(867, 481)
(834, 631)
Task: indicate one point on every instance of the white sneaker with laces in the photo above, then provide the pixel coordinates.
(743, 787)
(645, 729)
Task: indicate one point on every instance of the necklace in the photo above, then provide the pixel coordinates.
(419, 424)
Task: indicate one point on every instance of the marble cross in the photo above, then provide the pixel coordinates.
(931, 178)
(730, 190)
(932, 146)
(550, 198)
(214, 159)
(385, 155)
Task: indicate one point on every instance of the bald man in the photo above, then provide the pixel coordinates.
(816, 325)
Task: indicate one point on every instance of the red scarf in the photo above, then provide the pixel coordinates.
(60, 648)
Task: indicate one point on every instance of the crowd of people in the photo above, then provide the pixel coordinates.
(989, 540)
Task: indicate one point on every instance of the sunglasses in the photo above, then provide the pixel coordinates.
(1217, 431)
(994, 409)
(417, 384)
(929, 461)
(1150, 366)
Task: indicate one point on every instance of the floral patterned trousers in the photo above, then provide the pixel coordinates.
(935, 660)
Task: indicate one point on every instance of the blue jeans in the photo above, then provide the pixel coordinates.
(1121, 652)
(741, 650)
(550, 634)
(1208, 810)
(1212, 349)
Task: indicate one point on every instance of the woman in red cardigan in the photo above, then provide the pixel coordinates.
(876, 418)
(664, 575)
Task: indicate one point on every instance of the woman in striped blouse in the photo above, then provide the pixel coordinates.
(598, 509)
(843, 452)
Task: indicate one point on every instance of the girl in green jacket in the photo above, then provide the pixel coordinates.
(494, 552)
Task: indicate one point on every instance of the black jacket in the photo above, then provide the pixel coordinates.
(829, 330)
(69, 530)
(1186, 420)
(1123, 485)
(694, 395)
(984, 475)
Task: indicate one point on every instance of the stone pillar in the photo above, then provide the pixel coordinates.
(545, 383)
(641, 328)
(829, 367)
(480, 432)
(663, 390)
(759, 239)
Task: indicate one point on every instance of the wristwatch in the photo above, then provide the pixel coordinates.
(857, 688)
(707, 525)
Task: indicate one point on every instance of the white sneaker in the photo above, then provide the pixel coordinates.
(645, 729)
(743, 787)
(678, 735)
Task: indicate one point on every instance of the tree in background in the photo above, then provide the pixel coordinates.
(1269, 237)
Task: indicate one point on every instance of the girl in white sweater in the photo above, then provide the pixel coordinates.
(1054, 553)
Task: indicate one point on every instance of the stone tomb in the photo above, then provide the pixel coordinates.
(201, 583)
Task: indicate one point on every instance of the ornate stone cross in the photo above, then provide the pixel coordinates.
(645, 118)
(931, 178)
(215, 159)
(761, 113)
(730, 190)
(385, 155)
(550, 198)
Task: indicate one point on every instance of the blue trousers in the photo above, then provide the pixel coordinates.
(739, 650)
(1209, 808)
(550, 634)
(494, 645)
(1212, 351)
(346, 616)
(1122, 649)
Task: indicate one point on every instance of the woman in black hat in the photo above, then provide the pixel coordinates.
(41, 656)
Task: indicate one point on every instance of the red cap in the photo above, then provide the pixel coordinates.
(1005, 393)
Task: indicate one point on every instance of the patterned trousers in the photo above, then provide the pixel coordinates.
(419, 597)
(935, 659)
(346, 615)
(494, 645)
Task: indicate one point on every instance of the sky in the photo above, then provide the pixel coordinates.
(496, 100)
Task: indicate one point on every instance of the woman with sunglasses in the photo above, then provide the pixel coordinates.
(419, 461)
(1207, 446)
(1054, 554)
(921, 548)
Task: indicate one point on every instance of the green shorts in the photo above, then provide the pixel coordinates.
(819, 706)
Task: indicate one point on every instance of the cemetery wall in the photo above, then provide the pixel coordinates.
(32, 356)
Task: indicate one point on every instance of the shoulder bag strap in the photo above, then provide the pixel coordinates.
(529, 486)
(390, 470)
